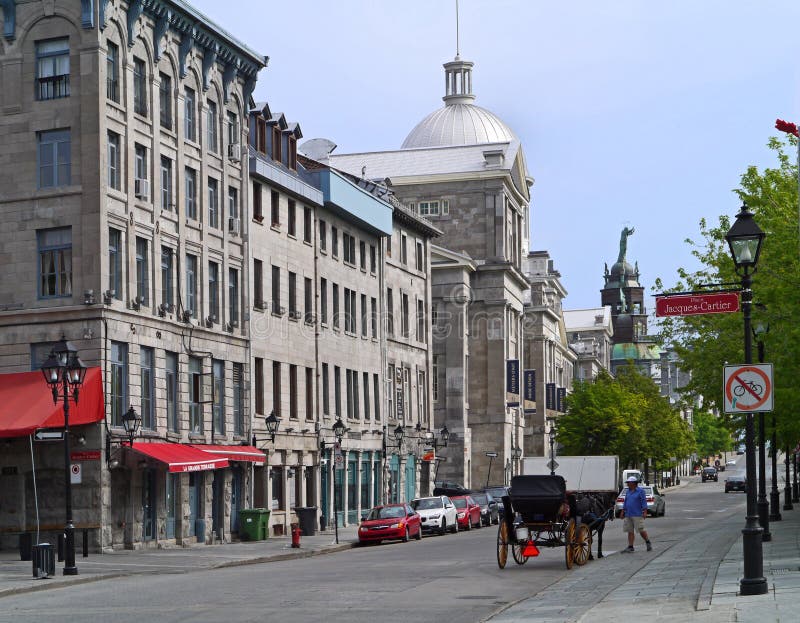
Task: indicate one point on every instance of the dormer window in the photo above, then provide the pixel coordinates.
(292, 155)
(261, 135)
(276, 143)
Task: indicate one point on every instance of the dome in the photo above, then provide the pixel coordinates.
(622, 275)
(459, 122)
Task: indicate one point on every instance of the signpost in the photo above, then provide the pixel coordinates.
(748, 388)
(694, 304)
(492, 456)
(49, 434)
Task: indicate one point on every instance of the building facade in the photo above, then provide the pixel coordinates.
(590, 333)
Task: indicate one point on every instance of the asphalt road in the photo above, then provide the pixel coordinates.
(453, 577)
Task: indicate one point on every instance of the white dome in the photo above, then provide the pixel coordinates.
(458, 124)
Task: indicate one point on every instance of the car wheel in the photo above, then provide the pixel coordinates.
(479, 523)
(455, 527)
(443, 529)
(419, 533)
(405, 536)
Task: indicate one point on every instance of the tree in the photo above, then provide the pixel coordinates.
(710, 433)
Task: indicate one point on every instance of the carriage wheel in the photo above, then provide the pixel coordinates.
(569, 538)
(516, 552)
(502, 545)
(581, 545)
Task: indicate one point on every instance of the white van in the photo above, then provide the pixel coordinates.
(627, 473)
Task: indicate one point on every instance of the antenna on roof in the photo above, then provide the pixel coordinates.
(458, 50)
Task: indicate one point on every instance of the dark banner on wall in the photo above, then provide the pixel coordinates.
(561, 399)
(550, 396)
(512, 382)
(529, 386)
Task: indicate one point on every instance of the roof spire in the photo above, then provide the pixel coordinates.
(458, 76)
(458, 48)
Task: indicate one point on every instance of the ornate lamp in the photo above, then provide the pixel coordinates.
(131, 422)
(339, 429)
(272, 423)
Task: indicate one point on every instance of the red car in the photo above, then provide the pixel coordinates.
(469, 512)
(393, 521)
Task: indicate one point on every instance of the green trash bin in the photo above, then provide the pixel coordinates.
(254, 524)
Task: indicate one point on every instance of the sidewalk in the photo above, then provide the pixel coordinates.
(16, 576)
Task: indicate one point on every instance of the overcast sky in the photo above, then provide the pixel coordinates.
(631, 113)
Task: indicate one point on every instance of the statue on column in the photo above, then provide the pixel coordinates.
(623, 243)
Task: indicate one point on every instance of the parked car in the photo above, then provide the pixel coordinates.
(730, 463)
(445, 487)
(497, 492)
(656, 504)
(490, 513)
(709, 473)
(469, 513)
(392, 521)
(436, 513)
(740, 449)
(736, 482)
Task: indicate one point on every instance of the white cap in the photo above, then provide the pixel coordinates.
(632, 479)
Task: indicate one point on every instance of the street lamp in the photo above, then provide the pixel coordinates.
(759, 330)
(272, 422)
(552, 435)
(744, 239)
(64, 373)
(130, 422)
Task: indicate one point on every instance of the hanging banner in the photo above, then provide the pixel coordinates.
(512, 382)
(529, 387)
(550, 396)
(561, 403)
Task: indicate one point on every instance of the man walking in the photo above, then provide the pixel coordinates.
(634, 510)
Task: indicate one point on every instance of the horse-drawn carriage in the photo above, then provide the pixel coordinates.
(539, 512)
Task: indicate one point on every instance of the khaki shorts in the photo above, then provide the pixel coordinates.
(631, 524)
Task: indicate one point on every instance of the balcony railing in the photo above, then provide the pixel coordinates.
(54, 87)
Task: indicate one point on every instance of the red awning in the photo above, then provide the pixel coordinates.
(235, 453)
(26, 403)
(180, 457)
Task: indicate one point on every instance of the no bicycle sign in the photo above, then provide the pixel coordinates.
(748, 388)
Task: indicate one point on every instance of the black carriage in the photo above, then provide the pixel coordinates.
(540, 513)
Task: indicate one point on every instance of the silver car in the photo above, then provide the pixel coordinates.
(438, 514)
(656, 505)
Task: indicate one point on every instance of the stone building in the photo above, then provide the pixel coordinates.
(464, 169)
(121, 189)
(589, 333)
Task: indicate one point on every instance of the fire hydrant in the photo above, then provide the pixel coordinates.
(295, 535)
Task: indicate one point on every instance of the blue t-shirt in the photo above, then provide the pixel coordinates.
(635, 503)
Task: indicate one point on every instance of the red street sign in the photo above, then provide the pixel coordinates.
(697, 304)
(85, 455)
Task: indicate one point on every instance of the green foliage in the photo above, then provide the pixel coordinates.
(711, 434)
(706, 343)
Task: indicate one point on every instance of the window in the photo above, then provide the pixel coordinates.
(275, 212)
(218, 401)
(364, 314)
(115, 262)
(233, 128)
(54, 158)
(308, 301)
(191, 285)
(407, 395)
(276, 143)
(434, 208)
(366, 395)
(276, 388)
(191, 193)
(259, 383)
(376, 396)
(326, 402)
(211, 127)
(119, 381)
(309, 393)
(139, 87)
(323, 300)
(348, 245)
(112, 72)
(349, 310)
(335, 294)
(171, 365)
(307, 225)
(372, 259)
(435, 378)
(403, 250)
(258, 210)
(323, 235)
(356, 410)
(167, 280)
(165, 100)
(190, 112)
(422, 397)
(388, 246)
(421, 332)
(166, 183)
(276, 290)
(291, 226)
(258, 284)
(374, 317)
(195, 395)
(420, 256)
(389, 312)
(352, 250)
(238, 399)
(277, 488)
(261, 135)
(52, 68)
(142, 272)
(337, 390)
(293, 295)
(114, 172)
(213, 203)
(147, 387)
(390, 392)
(334, 242)
(404, 311)
(213, 291)
(292, 156)
(363, 254)
(293, 391)
(233, 297)
(233, 208)
(140, 173)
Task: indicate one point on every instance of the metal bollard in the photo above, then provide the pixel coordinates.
(85, 542)
(60, 547)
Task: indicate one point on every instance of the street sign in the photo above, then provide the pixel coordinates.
(85, 455)
(552, 465)
(492, 455)
(75, 474)
(748, 388)
(697, 304)
(48, 434)
(338, 461)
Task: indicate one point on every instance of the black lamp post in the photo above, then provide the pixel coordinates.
(795, 491)
(131, 422)
(516, 455)
(759, 330)
(272, 423)
(64, 373)
(552, 436)
(339, 429)
(787, 485)
(745, 238)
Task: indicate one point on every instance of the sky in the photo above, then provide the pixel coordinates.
(631, 113)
